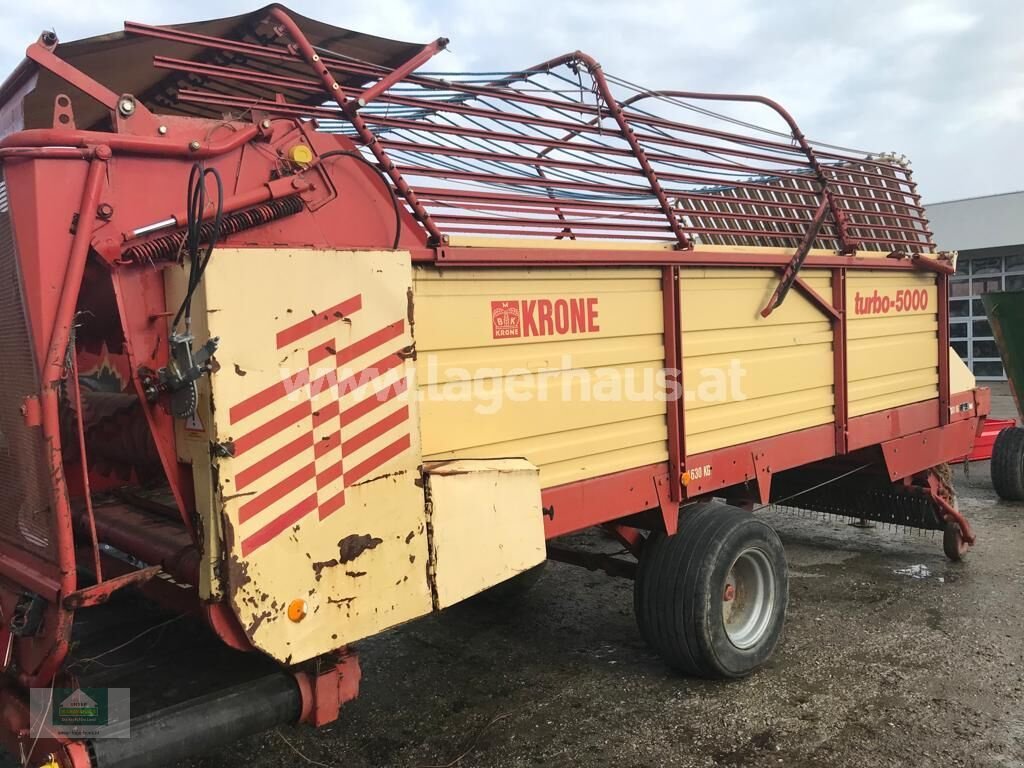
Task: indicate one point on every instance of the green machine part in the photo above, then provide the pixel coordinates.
(1006, 316)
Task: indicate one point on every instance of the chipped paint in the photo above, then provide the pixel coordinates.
(281, 513)
(353, 546)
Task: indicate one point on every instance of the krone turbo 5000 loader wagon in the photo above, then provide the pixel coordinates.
(302, 340)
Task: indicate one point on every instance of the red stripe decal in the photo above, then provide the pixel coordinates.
(333, 504)
(320, 353)
(325, 414)
(326, 444)
(277, 424)
(375, 400)
(320, 320)
(368, 374)
(274, 460)
(279, 524)
(361, 347)
(324, 384)
(275, 493)
(329, 475)
(374, 431)
(268, 396)
(360, 471)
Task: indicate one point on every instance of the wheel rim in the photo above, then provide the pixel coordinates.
(748, 601)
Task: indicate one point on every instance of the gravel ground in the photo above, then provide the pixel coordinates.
(892, 657)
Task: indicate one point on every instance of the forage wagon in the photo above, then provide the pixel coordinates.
(304, 337)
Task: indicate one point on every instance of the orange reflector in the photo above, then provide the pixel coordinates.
(297, 610)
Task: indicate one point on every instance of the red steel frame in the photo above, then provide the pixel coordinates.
(568, 508)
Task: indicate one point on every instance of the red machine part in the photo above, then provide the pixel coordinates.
(328, 684)
(990, 429)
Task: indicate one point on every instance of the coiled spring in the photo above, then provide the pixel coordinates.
(169, 246)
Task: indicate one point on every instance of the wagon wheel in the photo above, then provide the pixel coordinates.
(712, 598)
(953, 543)
(1007, 465)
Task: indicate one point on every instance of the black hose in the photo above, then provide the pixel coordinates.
(194, 231)
(383, 178)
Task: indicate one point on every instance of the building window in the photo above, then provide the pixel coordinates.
(982, 285)
(1015, 262)
(990, 265)
(989, 369)
(985, 348)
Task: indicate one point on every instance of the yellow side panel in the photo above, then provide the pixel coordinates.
(749, 377)
(892, 339)
(487, 524)
(315, 445)
(496, 380)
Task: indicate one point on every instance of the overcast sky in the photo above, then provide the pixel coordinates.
(941, 81)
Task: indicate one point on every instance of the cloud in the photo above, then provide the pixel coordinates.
(939, 80)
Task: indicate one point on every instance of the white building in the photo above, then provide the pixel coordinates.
(989, 234)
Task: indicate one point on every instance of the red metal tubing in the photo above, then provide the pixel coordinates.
(600, 224)
(837, 216)
(837, 173)
(519, 181)
(399, 73)
(608, 188)
(52, 373)
(45, 153)
(503, 256)
(887, 227)
(870, 201)
(237, 73)
(53, 367)
(500, 198)
(411, 125)
(84, 461)
(754, 217)
(536, 213)
(545, 233)
(499, 157)
(334, 88)
(663, 122)
(295, 110)
(869, 188)
(944, 376)
(674, 375)
(206, 41)
(139, 145)
(627, 132)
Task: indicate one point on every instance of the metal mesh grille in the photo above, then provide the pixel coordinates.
(25, 516)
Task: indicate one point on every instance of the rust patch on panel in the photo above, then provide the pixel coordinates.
(353, 546)
(321, 566)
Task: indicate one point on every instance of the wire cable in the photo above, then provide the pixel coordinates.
(199, 257)
(391, 190)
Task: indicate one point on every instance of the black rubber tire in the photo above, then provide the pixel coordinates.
(678, 591)
(1008, 464)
